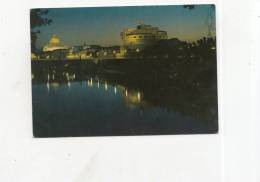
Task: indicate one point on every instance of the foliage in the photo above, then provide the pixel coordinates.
(174, 48)
(189, 7)
(38, 19)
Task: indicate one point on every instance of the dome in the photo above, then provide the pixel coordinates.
(54, 44)
(54, 40)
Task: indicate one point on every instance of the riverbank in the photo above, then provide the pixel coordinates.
(136, 67)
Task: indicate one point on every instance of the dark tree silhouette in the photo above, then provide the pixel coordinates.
(190, 7)
(38, 19)
(209, 18)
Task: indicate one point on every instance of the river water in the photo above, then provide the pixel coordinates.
(72, 103)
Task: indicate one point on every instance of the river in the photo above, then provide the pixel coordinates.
(81, 99)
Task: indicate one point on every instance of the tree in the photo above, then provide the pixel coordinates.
(189, 7)
(209, 19)
(38, 19)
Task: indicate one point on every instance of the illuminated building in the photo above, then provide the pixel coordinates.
(34, 56)
(54, 50)
(141, 36)
(54, 44)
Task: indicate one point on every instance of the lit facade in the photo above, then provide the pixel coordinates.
(54, 44)
(141, 36)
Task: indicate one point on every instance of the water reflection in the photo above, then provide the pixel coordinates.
(48, 86)
(115, 89)
(52, 85)
(105, 85)
(192, 94)
(90, 82)
(131, 98)
(157, 92)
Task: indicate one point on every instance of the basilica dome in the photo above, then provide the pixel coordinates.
(54, 44)
(54, 40)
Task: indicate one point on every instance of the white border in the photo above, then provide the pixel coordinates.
(226, 156)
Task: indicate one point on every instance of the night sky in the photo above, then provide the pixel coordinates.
(102, 25)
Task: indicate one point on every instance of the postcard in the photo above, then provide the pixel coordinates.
(117, 71)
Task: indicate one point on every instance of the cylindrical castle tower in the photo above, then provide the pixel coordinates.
(142, 36)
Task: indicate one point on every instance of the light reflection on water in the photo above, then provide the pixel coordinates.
(130, 97)
(97, 109)
(67, 104)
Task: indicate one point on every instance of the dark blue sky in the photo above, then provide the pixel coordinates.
(103, 25)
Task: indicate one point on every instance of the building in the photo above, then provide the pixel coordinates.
(54, 50)
(108, 52)
(34, 56)
(54, 44)
(142, 36)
